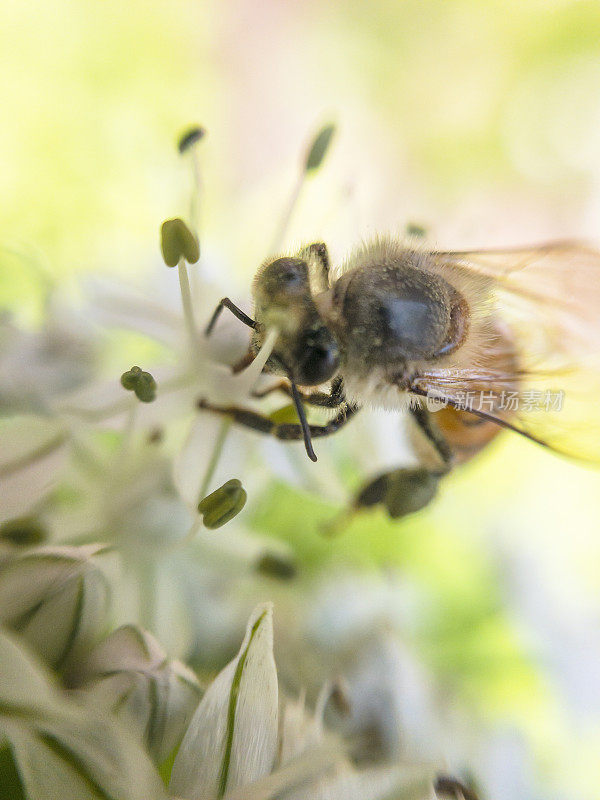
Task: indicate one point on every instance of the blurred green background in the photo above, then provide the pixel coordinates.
(477, 120)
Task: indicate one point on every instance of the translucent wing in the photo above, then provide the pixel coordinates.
(538, 371)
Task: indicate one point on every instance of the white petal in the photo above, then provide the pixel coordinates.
(396, 782)
(232, 739)
(299, 731)
(23, 684)
(117, 305)
(192, 461)
(32, 455)
(62, 749)
(57, 597)
(302, 771)
(129, 673)
(224, 387)
(390, 692)
(128, 648)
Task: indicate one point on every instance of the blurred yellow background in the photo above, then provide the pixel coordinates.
(478, 119)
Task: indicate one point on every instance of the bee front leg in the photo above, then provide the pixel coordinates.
(289, 431)
(235, 310)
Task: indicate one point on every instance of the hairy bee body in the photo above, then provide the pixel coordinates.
(396, 326)
(390, 312)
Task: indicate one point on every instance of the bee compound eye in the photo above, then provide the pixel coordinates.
(318, 364)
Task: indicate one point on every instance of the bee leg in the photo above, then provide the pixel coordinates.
(400, 491)
(286, 431)
(424, 421)
(334, 399)
(407, 490)
(237, 312)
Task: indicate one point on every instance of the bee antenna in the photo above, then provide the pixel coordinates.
(299, 410)
(303, 422)
(301, 416)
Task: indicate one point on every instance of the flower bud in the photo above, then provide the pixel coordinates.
(52, 746)
(177, 242)
(130, 378)
(223, 504)
(56, 598)
(232, 738)
(415, 231)
(130, 675)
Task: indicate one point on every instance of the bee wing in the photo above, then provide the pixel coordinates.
(547, 300)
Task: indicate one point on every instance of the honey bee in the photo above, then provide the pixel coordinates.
(493, 339)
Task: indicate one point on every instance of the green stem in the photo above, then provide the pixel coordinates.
(128, 430)
(195, 207)
(196, 525)
(195, 528)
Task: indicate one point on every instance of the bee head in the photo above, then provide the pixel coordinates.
(305, 349)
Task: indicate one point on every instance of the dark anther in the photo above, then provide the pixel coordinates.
(190, 138)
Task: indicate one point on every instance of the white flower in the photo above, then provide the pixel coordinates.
(38, 367)
(56, 598)
(129, 674)
(302, 733)
(32, 459)
(232, 739)
(56, 749)
(232, 749)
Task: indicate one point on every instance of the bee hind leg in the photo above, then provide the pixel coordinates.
(426, 426)
(406, 490)
(401, 491)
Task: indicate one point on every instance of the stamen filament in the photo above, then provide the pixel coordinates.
(282, 229)
(186, 299)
